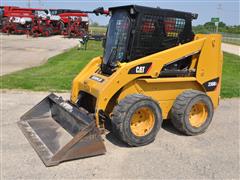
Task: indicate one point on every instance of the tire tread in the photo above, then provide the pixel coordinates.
(179, 107)
(119, 112)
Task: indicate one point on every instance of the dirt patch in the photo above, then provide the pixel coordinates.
(20, 52)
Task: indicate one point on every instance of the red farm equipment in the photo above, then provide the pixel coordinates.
(1, 17)
(16, 20)
(77, 22)
(46, 26)
(60, 21)
(75, 27)
(43, 22)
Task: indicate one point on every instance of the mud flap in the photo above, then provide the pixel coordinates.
(59, 131)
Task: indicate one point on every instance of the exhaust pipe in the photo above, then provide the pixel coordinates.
(59, 131)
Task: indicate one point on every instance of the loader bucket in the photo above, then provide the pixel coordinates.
(59, 131)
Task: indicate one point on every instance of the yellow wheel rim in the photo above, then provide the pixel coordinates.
(142, 121)
(198, 114)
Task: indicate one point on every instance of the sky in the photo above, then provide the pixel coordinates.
(227, 10)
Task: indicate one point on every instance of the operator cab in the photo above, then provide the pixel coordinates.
(137, 31)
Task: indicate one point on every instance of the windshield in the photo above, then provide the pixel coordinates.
(116, 43)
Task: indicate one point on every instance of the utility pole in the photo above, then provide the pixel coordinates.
(40, 3)
(219, 8)
(29, 3)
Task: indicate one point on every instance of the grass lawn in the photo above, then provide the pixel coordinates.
(231, 76)
(58, 73)
(97, 30)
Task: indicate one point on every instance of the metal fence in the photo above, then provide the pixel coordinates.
(231, 38)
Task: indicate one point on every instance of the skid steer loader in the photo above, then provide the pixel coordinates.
(153, 68)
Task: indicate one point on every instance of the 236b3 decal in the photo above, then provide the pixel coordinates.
(211, 85)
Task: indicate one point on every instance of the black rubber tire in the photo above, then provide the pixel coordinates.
(50, 30)
(61, 26)
(122, 114)
(46, 33)
(181, 108)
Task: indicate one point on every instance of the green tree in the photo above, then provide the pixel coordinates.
(209, 27)
(221, 24)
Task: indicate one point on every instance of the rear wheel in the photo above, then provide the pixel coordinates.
(50, 31)
(192, 112)
(46, 33)
(137, 120)
(61, 26)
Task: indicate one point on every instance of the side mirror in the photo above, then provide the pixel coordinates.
(103, 42)
(98, 11)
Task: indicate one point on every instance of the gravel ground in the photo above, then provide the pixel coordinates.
(212, 155)
(19, 51)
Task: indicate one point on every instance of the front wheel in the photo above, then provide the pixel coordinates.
(136, 120)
